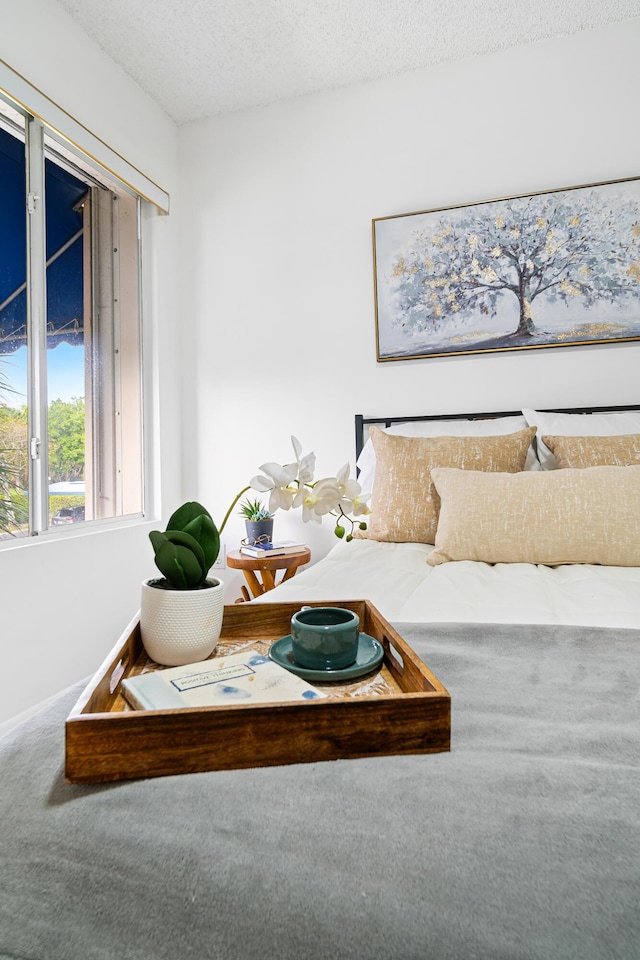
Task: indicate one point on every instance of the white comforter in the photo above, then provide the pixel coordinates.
(397, 580)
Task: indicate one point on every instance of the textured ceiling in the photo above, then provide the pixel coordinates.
(198, 58)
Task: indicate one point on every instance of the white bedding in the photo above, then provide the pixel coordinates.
(396, 578)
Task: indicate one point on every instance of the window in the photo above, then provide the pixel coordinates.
(70, 355)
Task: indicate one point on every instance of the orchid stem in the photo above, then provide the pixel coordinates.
(228, 513)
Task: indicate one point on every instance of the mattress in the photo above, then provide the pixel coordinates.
(396, 578)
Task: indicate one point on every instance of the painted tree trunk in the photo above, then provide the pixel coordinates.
(526, 326)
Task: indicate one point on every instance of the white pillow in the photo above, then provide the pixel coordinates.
(366, 462)
(578, 425)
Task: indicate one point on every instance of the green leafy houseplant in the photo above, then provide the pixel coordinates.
(181, 612)
(187, 549)
(254, 510)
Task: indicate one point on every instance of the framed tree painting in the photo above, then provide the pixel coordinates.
(552, 269)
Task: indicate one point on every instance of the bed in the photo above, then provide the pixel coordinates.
(522, 843)
(394, 572)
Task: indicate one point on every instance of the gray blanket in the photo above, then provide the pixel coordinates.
(523, 842)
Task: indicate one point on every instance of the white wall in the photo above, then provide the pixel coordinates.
(277, 247)
(65, 602)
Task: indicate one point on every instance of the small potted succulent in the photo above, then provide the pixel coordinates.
(181, 611)
(258, 521)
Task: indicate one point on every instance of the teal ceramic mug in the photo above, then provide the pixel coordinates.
(325, 638)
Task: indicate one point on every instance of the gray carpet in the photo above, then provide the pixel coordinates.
(523, 843)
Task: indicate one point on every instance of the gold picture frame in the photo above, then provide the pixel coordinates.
(547, 269)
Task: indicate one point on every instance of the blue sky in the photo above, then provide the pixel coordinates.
(65, 373)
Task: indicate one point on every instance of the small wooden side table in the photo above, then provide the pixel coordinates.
(260, 573)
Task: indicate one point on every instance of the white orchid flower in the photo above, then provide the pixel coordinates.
(358, 506)
(352, 499)
(280, 498)
(277, 479)
(307, 499)
(318, 500)
(328, 495)
(306, 465)
(348, 488)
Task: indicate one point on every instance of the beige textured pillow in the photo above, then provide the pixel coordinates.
(551, 424)
(562, 516)
(404, 502)
(579, 452)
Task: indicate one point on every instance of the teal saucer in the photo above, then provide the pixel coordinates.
(370, 654)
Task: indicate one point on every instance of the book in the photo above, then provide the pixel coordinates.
(277, 549)
(247, 677)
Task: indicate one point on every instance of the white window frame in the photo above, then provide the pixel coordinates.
(42, 116)
(36, 328)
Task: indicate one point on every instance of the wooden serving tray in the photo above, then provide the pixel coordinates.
(401, 708)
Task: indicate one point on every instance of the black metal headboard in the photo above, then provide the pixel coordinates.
(362, 422)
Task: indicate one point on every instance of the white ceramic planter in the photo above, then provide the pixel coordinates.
(181, 626)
